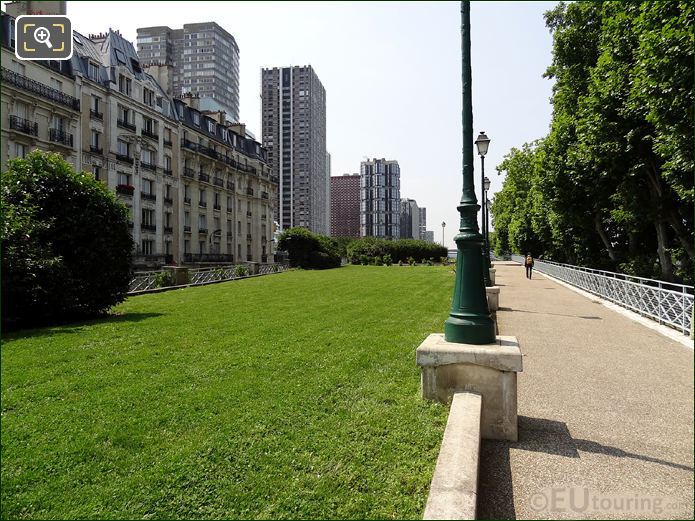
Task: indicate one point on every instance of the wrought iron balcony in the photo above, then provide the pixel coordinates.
(249, 213)
(186, 200)
(190, 145)
(167, 142)
(207, 257)
(168, 200)
(150, 135)
(264, 195)
(148, 166)
(60, 136)
(95, 149)
(24, 125)
(249, 191)
(125, 124)
(203, 204)
(202, 230)
(230, 185)
(94, 114)
(249, 238)
(148, 197)
(148, 227)
(124, 158)
(216, 207)
(203, 177)
(125, 189)
(217, 181)
(168, 229)
(187, 228)
(29, 85)
(188, 172)
(167, 171)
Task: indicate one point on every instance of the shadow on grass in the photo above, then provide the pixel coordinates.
(495, 486)
(75, 326)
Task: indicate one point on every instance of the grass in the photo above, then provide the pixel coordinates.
(294, 395)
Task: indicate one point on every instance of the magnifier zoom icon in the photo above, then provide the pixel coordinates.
(42, 35)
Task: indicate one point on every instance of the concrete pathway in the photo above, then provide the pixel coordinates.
(605, 413)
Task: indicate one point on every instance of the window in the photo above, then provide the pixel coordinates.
(148, 217)
(217, 199)
(203, 196)
(167, 134)
(167, 163)
(123, 148)
(202, 222)
(123, 114)
(120, 56)
(57, 85)
(148, 157)
(167, 191)
(211, 126)
(95, 103)
(150, 125)
(96, 170)
(123, 178)
(201, 245)
(186, 191)
(196, 118)
(20, 150)
(147, 246)
(125, 84)
(148, 96)
(147, 186)
(216, 222)
(187, 246)
(58, 123)
(95, 140)
(229, 204)
(186, 218)
(93, 71)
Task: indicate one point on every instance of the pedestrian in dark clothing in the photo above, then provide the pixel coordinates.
(529, 265)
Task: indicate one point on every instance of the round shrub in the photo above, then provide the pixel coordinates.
(66, 244)
(309, 250)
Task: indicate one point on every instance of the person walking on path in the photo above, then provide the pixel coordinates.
(529, 265)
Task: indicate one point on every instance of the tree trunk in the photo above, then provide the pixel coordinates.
(664, 256)
(602, 233)
(683, 236)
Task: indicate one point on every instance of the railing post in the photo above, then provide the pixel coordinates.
(660, 304)
(179, 275)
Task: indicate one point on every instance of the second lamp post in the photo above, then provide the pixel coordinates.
(482, 143)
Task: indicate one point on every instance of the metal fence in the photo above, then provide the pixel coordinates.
(667, 303)
(149, 280)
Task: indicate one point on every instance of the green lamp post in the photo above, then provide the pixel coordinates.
(469, 320)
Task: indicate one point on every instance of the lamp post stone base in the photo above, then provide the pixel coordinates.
(488, 369)
(493, 298)
(492, 276)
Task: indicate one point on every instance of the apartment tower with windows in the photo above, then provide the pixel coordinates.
(345, 205)
(294, 133)
(380, 199)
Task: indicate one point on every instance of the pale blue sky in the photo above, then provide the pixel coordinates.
(392, 73)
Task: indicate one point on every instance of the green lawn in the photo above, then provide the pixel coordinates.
(285, 396)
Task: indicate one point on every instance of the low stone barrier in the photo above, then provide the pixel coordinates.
(454, 488)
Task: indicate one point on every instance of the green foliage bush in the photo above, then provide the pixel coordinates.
(387, 260)
(399, 250)
(309, 250)
(66, 245)
(163, 279)
(240, 270)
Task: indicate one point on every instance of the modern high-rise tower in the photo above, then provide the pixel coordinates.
(380, 205)
(345, 206)
(204, 59)
(294, 133)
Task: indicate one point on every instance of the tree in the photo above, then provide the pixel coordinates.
(309, 250)
(66, 245)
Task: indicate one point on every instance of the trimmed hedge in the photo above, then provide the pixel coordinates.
(369, 248)
(66, 244)
(309, 250)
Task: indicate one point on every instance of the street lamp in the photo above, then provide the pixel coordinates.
(486, 252)
(443, 225)
(482, 143)
(469, 320)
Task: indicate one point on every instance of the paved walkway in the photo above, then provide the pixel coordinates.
(605, 405)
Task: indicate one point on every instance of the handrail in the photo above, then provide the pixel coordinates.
(665, 302)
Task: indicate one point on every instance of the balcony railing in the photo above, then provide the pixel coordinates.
(230, 185)
(264, 195)
(202, 230)
(167, 142)
(148, 166)
(29, 85)
(168, 200)
(168, 229)
(186, 200)
(148, 197)
(249, 238)
(95, 149)
(207, 257)
(217, 181)
(203, 177)
(263, 217)
(124, 158)
(188, 172)
(24, 125)
(249, 191)
(187, 228)
(126, 124)
(167, 171)
(148, 227)
(125, 189)
(150, 135)
(249, 213)
(203, 204)
(190, 145)
(210, 152)
(94, 114)
(217, 207)
(60, 136)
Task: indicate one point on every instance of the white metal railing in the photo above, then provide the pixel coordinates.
(148, 280)
(667, 303)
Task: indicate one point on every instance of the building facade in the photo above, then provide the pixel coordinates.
(105, 115)
(410, 219)
(204, 60)
(423, 223)
(380, 198)
(429, 236)
(294, 133)
(345, 205)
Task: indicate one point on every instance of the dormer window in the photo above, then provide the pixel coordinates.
(211, 126)
(148, 96)
(125, 85)
(93, 71)
(120, 57)
(196, 118)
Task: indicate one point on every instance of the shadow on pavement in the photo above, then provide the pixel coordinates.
(556, 314)
(495, 487)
